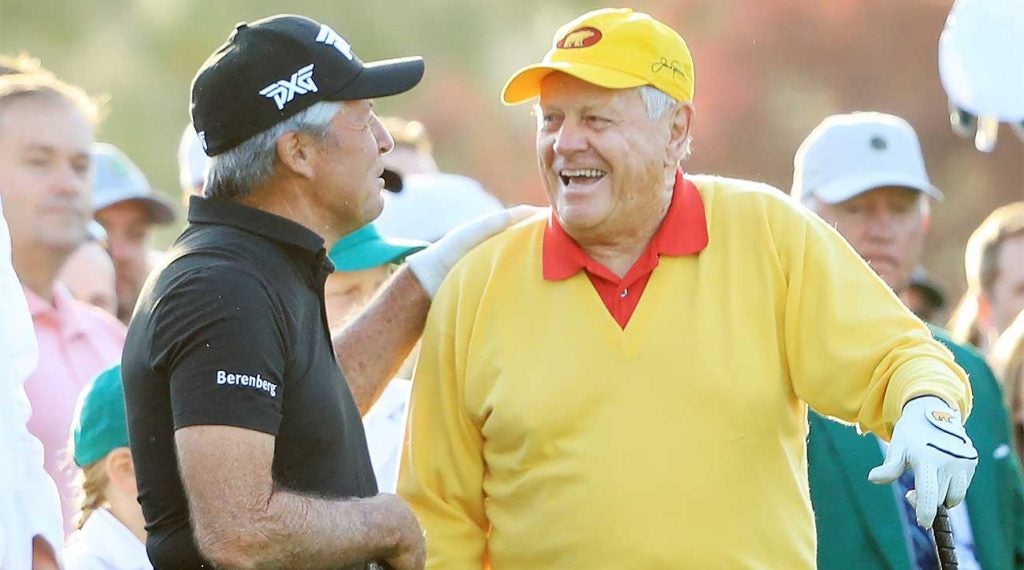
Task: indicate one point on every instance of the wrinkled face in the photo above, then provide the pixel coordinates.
(1006, 298)
(45, 173)
(89, 275)
(128, 231)
(347, 292)
(887, 226)
(606, 166)
(349, 166)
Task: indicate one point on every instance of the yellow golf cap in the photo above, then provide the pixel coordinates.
(613, 48)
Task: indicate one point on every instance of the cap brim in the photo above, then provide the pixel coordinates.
(850, 187)
(160, 210)
(525, 83)
(383, 78)
(375, 253)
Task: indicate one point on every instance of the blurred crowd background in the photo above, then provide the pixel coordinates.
(768, 71)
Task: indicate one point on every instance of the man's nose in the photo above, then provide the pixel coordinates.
(68, 181)
(882, 225)
(570, 138)
(384, 141)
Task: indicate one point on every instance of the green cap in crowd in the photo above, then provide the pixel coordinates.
(101, 423)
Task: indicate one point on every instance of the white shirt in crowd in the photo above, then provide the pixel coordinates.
(104, 543)
(29, 502)
(385, 430)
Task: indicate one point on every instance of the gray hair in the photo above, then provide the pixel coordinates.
(234, 173)
(658, 103)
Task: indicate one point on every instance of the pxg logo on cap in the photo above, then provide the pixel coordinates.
(272, 69)
(283, 91)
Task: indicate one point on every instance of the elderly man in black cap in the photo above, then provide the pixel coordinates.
(245, 431)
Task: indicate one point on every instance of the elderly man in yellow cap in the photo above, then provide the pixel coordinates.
(624, 384)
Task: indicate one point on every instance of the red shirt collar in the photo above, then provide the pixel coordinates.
(684, 231)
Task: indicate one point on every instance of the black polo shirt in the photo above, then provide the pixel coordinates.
(232, 331)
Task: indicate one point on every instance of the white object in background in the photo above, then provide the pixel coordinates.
(981, 64)
(29, 503)
(192, 161)
(429, 205)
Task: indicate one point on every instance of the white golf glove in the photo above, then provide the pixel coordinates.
(929, 438)
(431, 265)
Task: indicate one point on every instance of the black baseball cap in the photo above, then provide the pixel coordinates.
(271, 69)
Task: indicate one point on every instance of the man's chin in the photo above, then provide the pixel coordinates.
(577, 221)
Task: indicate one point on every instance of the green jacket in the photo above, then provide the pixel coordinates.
(859, 523)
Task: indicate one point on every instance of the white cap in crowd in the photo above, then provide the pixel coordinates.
(117, 179)
(847, 155)
(429, 205)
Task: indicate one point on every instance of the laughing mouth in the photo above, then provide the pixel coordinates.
(580, 175)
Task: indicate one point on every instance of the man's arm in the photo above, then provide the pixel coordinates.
(242, 521)
(856, 353)
(372, 347)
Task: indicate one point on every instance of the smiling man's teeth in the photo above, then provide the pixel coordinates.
(583, 172)
(579, 174)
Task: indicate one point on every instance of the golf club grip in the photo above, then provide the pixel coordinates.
(945, 545)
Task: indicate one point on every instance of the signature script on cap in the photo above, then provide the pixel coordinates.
(664, 63)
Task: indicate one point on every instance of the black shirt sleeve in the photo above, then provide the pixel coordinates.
(221, 339)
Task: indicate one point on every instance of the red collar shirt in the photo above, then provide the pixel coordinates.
(683, 232)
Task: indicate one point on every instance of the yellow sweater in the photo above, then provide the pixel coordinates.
(542, 435)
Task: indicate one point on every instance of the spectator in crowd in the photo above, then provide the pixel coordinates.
(363, 260)
(192, 163)
(995, 278)
(635, 368)
(89, 272)
(1008, 361)
(110, 531)
(925, 296)
(865, 174)
(46, 137)
(128, 208)
(245, 431)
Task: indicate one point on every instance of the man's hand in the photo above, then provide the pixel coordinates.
(411, 549)
(929, 439)
(431, 265)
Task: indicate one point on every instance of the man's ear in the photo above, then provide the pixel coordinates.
(297, 151)
(679, 135)
(120, 470)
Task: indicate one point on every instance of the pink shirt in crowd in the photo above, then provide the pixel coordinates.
(76, 341)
